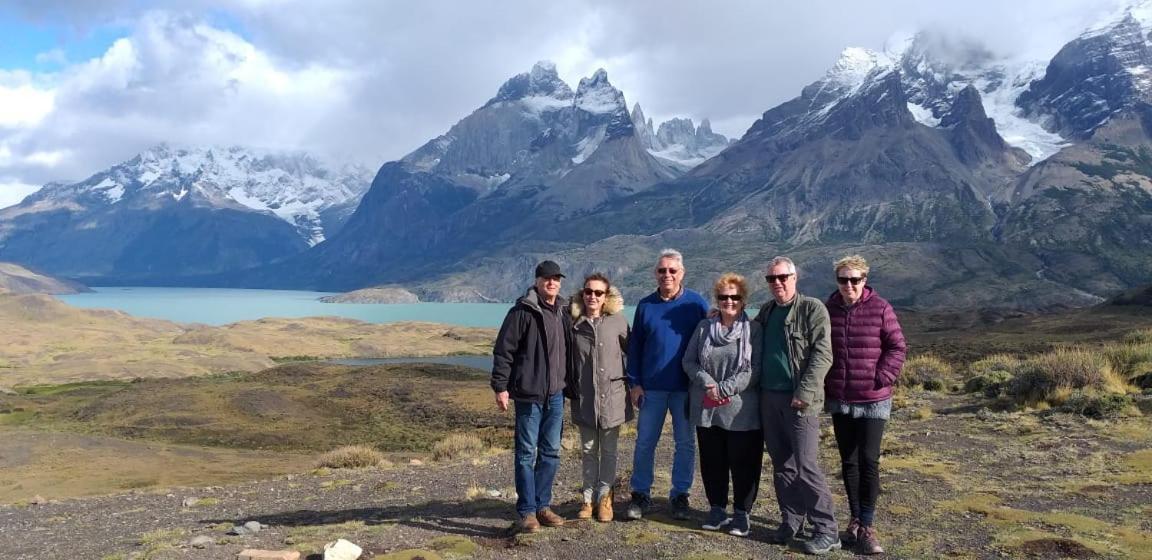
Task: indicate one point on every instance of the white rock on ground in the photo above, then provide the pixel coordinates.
(341, 549)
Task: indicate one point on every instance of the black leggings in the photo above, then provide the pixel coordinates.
(859, 443)
(739, 454)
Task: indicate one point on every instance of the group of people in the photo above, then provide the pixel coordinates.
(733, 386)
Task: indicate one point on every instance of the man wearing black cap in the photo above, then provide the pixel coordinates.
(528, 366)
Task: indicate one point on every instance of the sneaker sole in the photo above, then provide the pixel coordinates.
(716, 527)
(739, 533)
(824, 551)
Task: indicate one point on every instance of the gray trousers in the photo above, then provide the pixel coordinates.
(793, 443)
(598, 457)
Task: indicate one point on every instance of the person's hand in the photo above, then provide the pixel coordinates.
(637, 394)
(712, 392)
(502, 401)
(798, 404)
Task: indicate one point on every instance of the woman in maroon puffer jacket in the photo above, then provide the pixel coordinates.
(868, 351)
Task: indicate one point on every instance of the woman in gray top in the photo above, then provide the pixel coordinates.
(597, 386)
(724, 404)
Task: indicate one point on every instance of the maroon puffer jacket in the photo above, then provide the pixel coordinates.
(868, 349)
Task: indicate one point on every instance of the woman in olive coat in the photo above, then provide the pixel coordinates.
(596, 384)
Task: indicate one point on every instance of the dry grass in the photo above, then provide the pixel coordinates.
(1140, 336)
(351, 457)
(1054, 377)
(927, 371)
(456, 446)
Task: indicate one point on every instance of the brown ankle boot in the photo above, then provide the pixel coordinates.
(585, 511)
(604, 509)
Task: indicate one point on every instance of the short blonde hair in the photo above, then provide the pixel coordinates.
(731, 279)
(855, 262)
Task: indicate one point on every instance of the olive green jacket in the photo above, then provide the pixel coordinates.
(809, 334)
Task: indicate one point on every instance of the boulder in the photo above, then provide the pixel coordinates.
(341, 549)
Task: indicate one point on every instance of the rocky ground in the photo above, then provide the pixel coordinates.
(960, 481)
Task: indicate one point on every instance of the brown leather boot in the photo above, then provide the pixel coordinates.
(585, 511)
(527, 524)
(549, 518)
(604, 509)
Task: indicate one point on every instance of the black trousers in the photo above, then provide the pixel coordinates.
(859, 443)
(725, 455)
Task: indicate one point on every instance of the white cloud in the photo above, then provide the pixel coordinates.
(13, 193)
(376, 80)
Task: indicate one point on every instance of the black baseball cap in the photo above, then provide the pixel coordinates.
(548, 269)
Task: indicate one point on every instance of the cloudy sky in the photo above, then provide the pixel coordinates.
(85, 84)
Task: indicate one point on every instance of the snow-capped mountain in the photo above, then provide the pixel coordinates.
(175, 212)
(678, 140)
(295, 187)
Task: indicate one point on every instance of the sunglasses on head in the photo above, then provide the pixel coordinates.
(777, 277)
(591, 292)
(854, 280)
(729, 297)
(672, 271)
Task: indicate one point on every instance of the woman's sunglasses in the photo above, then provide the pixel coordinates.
(591, 292)
(729, 297)
(855, 280)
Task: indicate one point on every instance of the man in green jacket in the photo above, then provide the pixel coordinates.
(792, 357)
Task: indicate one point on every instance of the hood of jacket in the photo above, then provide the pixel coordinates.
(531, 300)
(613, 303)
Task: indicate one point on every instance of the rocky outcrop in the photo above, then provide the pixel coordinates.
(15, 279)
(374, 295)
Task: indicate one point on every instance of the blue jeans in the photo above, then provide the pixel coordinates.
(538, 428)
(654, 408)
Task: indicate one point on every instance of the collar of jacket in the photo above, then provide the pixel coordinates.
(764, 311)
(613, 304)
(837, 299)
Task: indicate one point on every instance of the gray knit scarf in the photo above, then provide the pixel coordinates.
(719, 336)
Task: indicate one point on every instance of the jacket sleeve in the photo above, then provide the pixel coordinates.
(820, 359)
(757, 346)
(507, 343)
(893, 347)
(624, 338)
(691, 360)
(636, 350)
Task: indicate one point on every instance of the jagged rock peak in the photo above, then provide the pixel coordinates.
(541, 81)
(967, 106)
(597, 95)
(854, 66)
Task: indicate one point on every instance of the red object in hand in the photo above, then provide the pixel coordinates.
(710, 402)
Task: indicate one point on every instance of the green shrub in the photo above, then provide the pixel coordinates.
(991, 383)
(994, 363)
(458, 445)
(925, 371)
(1130, 360)
(350, 457)
(1097, 406)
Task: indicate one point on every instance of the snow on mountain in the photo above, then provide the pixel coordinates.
(933, 70)
(293, 186)
(678, 140)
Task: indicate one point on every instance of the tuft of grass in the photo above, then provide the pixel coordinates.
(1097, 406)
(923, 413)
(456, 446)
(927, 371)
(1051, 378)
(350, 457)
(453, 546)
(1141, 336)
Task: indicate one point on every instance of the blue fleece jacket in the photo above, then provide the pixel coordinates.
(660, 333)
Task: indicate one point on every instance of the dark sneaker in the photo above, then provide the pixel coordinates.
(852, 532)
(640, 505)
(868, 542)
(717, 518)
(782, 535)
(526, 524)
(740, 524)
(549, 518)
(821, 544)
(680, 509)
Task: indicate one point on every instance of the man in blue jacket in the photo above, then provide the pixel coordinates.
(528, 365)
(660, 332)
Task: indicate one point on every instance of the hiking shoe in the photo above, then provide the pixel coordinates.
(782, 535)
(585, 511)
(526, 524)
(640, 504)
(852, 533)
(548, 518)
(867, 542)
(820, 544)
(680, 509)
(717, 518)
(740, 524)
(604, 508)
